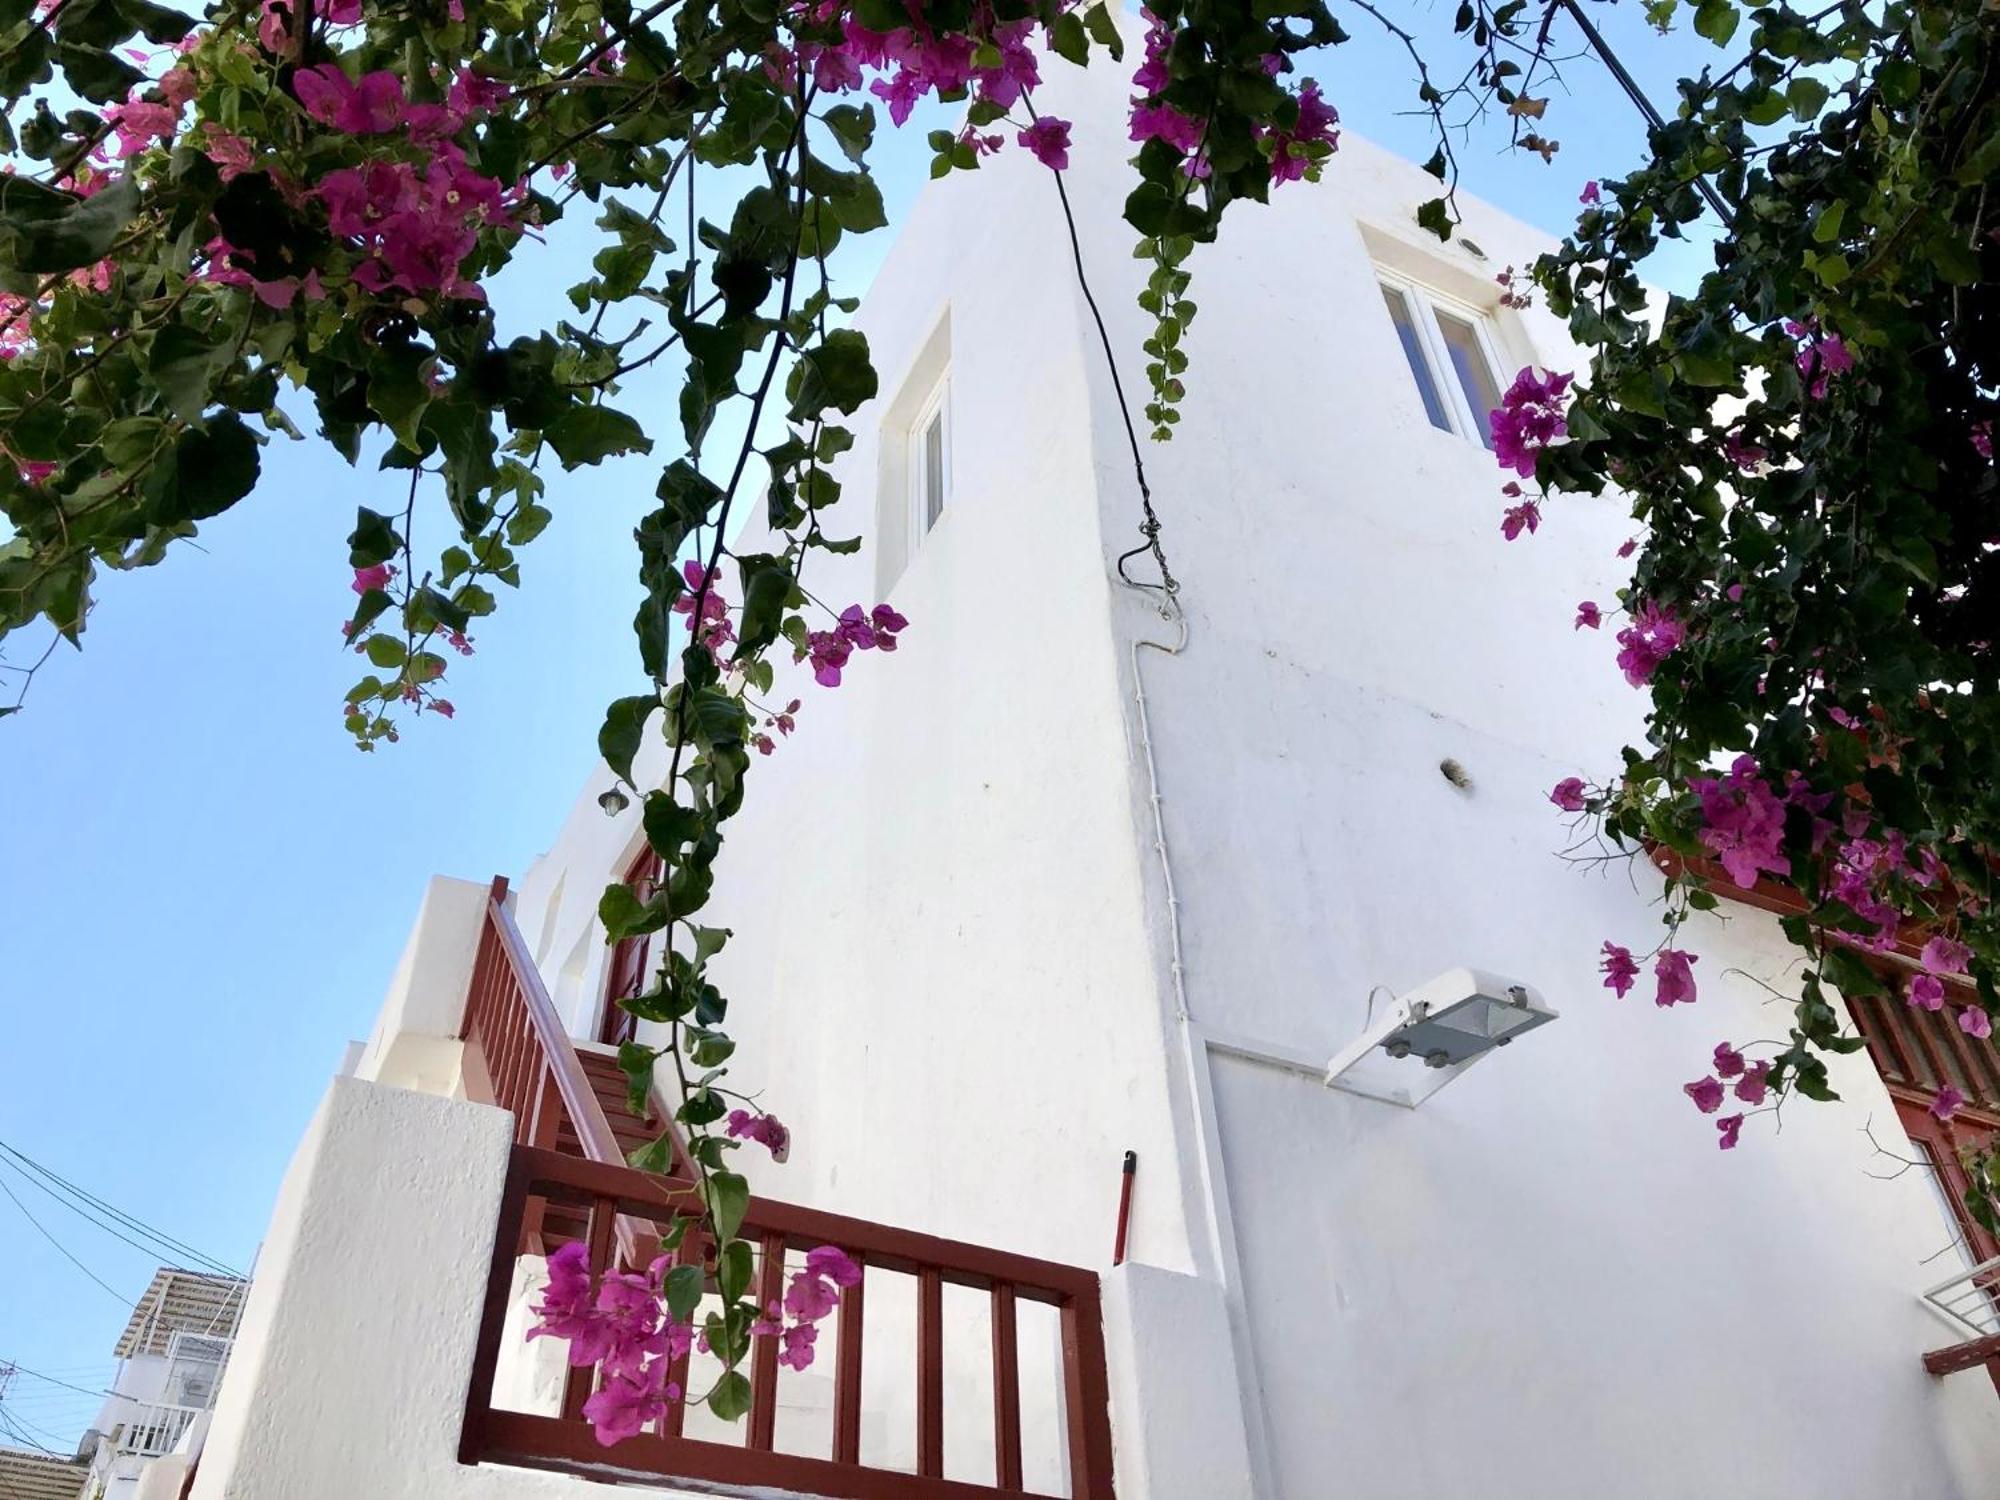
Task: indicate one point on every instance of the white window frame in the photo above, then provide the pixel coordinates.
(936, 404)
(1423, 302)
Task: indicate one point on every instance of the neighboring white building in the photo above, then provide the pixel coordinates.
(170, 1361)
(971, 971)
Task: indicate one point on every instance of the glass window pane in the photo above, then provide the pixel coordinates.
(1475, 375)
(1413, 351)
(933, 468)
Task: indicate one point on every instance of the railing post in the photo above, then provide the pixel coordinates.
(930, 1372)
(764, 1356)
(1088, 1396)
(493, 1317)
(847, 1373)
(1006, 1390)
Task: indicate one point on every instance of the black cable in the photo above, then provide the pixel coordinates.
(175, 1248)
(1638, 96)
(19, 1369)
(128, 1302)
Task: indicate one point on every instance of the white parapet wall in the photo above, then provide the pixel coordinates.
(349, 1376)
(415, 1042)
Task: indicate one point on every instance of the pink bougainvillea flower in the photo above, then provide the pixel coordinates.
(1674, 971)
(796, 1346)
(1821, 355)
(1589, 197)
(1162, 122)
(1743, 453)
(834, 1263)
(443, 706)
(1568, 794)
(1706, 1093)
(474, 94)
(622, 1408)
(1744, 822)
(1753, 1086)
(1925, 992)
(1946, 1104)
(1728, 1061)
(1630, 545)
(376, 577)
(1047, 141)
(1982, 438)
(1528, 419)
(1728, 1128)
(1619, 970)
(1943, 955)
(1527, 516)
(1588, 616)
(764, 1129)
(1653, 634)
(810, 1298)
(371, 105)
(1974, 1021)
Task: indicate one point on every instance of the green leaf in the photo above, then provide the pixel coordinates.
(625, 915)
(656, 1156)
(1716, 20)
(733, 1270)
(835, 373)
(668, 824)
(1806, 96)
(728, 1198)
(99, 75)
(1069, 40)
(591, 434)
(852, 129)
(684, 1288)
(730, 1398)
(767, 584)
(1097, 20)
(1435, 216)
(624, 724)
(78, 235)
(209, 472)
(385, 651)
(398, 394)
(373, 539)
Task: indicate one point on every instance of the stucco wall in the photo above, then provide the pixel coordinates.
(1547, 1282)
(955, 972)
(350, 1370)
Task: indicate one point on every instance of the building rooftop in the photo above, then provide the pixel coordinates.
(181, 1302)
(39, 1476)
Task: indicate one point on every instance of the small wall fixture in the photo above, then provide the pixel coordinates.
(1431, 1035)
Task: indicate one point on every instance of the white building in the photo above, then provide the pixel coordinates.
(972, 971)
(170, 1361)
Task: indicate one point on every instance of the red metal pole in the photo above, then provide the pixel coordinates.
(1124, 1207)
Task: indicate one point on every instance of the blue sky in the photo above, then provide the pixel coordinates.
(206, 887)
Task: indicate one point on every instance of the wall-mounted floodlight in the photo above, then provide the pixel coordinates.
(1431, 1035)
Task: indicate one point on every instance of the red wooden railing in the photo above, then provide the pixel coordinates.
(533, 1071)
(540, 1179)
(531, 1063)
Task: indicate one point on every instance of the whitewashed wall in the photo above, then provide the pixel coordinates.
(954, 973)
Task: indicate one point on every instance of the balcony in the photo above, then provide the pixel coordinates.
(152, 1428)
(567, 1180)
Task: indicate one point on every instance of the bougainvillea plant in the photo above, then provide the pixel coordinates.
(215, 230)
(1807, 441)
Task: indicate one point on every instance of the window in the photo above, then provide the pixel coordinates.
(930, 461)
(1451, 355)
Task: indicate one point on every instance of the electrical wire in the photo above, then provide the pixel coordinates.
(162, 1241)
(21, 1369)
(62, 1250)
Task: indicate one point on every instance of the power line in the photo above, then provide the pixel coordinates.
(174, 1248)
(11, 1428)
(21, 1369)
(115, 1293)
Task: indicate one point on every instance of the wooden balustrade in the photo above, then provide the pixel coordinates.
(604, 1195)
